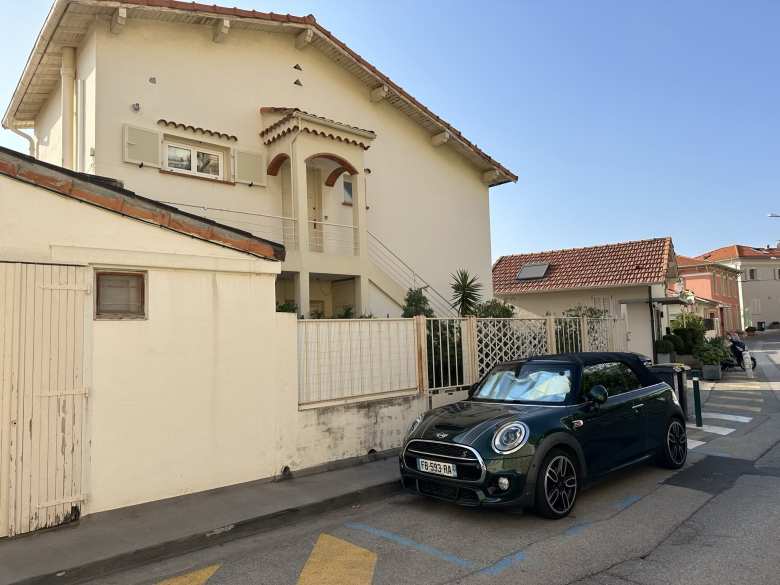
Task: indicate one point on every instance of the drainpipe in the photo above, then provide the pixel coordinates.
(30, 141)
(652, 321)
(68, 76)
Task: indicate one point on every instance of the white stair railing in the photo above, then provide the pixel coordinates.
(405, 276)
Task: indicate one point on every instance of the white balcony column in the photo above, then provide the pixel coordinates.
(359, 214)
(360, 234)
(68, 78)
(300, 203)
(302, 295)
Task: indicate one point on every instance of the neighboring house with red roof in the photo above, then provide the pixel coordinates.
(270, 123)
(718, 286)
(758, 282)
(629, 279)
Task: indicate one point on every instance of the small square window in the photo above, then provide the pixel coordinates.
(347, 191)
(120, 295)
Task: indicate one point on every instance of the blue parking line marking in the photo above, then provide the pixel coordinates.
(408, 542)
(503, 564)
(626, 502)
(577, 528)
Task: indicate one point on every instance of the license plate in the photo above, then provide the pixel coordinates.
(437, 467)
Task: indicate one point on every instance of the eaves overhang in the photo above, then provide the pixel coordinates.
(69, 20)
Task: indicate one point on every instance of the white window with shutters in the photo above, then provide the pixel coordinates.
(142, 146)
(249, 167)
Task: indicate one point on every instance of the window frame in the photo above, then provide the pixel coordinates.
(583, 390)
(347, 180)
(144, 275)
(194, 150)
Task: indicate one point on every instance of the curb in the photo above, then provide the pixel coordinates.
(201, 540)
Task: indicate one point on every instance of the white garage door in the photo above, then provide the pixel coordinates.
(44, 317)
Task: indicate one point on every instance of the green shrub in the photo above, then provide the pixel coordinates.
(288, 307)
(495, 308)
(711, 352)
(676, 341)
(416, 303)
(691, 336)
(663, 346)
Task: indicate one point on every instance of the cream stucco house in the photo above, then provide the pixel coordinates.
(271, 124)
(632, 280)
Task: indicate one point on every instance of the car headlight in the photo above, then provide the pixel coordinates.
(415, 424)
(510, 437)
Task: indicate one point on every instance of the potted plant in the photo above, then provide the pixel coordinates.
(663, 351)
(711, 354)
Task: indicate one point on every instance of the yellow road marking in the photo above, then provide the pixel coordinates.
(198, 577)
(337, 562)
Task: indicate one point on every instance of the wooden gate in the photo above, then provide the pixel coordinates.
(44, 340)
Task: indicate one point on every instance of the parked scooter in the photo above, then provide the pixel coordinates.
(737, 349)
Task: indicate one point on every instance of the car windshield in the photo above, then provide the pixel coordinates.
(533, 382)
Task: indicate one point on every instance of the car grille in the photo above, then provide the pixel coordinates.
(465, 460)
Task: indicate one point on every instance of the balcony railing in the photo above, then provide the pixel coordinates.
(333, 238)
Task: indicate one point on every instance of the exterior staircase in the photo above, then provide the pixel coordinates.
(394, 277)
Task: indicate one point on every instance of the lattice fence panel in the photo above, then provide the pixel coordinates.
(500, 340)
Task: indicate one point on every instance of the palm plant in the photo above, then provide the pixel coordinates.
(466, 294)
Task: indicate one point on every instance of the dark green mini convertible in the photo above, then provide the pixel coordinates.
(533, 432)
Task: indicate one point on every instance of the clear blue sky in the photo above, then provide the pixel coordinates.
(623, 120)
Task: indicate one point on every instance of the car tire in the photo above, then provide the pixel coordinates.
(557, 484)
(674, 451)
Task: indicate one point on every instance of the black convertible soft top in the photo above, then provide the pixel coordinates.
(599, 357)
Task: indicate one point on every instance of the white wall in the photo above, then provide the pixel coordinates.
(203, 393)
(763, 293)
(426, 203)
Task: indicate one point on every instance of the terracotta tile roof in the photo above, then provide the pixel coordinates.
(740, 251)
(197, 129)
(277, 129)
(684, 262)
(610, 265)
(346, 57)
(108, 194)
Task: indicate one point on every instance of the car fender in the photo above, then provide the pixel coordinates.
(551, 441)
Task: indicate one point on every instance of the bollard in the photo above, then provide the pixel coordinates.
(697, 402)
(747, 363)
(682, 390)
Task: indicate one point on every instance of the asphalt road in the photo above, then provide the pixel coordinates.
(716, 521)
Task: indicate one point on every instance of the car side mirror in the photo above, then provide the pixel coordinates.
(598, 394)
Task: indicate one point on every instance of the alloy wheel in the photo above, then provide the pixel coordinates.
(560, 484)
(677, 442)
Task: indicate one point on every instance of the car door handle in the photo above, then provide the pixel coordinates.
(638, 406)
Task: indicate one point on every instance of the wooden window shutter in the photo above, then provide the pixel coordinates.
(142, 146)
(250, 167)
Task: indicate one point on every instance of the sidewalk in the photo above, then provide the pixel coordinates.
(103, 543)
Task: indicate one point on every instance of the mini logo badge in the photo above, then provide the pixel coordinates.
(441, 435)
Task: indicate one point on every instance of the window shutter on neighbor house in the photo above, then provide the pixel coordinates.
(142, 146)
(250, 167)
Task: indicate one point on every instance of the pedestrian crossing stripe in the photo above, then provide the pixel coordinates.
(198, 577)
(729, 417)
(734, 407)
(693, 443)
(715, 430)
(738, 398)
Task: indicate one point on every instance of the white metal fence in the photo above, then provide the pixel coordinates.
(347, 358)
(356, 359)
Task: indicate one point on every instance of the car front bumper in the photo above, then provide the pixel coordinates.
(482, 492)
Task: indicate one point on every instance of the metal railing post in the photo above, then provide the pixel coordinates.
(584, 341)
(551, 341)
(697, 402)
